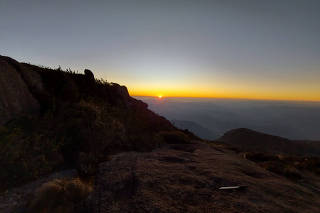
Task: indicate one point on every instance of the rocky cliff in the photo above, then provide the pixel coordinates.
(16, 97)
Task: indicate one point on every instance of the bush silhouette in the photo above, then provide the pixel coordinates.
(175, 137)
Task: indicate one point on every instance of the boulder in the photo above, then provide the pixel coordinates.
(89, 75)
(15, 95)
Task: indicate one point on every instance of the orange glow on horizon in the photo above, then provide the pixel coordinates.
(231, 89)
(198, 86)
(252, 96)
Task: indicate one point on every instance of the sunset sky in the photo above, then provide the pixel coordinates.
(260, 49)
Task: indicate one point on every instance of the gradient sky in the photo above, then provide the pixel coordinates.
(264, 49)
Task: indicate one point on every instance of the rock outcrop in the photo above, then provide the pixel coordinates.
(89, 74)
(25, 89)
(16, 84)
(72, 120)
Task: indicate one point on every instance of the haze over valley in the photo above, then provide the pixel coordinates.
(211, 118)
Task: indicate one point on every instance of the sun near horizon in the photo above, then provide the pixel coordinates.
(250, 95)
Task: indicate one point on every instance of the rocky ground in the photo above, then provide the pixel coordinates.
(183, 178)
(187, 178)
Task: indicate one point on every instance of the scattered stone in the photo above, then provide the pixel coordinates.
(233, 187)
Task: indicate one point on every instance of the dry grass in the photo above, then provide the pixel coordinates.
(289, 166)
(59, 196)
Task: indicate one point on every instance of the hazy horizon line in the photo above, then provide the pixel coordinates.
(230, 98)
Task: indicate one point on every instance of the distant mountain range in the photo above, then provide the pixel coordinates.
(250, 140)
(293, 120)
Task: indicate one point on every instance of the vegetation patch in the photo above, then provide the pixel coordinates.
(175, 137)
(291, 167)
(63, 196)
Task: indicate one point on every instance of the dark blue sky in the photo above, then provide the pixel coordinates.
(218, 48)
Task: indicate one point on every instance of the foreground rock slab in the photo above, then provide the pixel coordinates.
(187, 178)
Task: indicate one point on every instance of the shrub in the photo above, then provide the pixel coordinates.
(286, 166)
(3, 130)
(283, 169)
(274, 167)
(260, 157)
(59, 196)
(175, 137)
(291, 173)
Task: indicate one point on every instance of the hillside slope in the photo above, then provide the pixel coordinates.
(53, 119)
